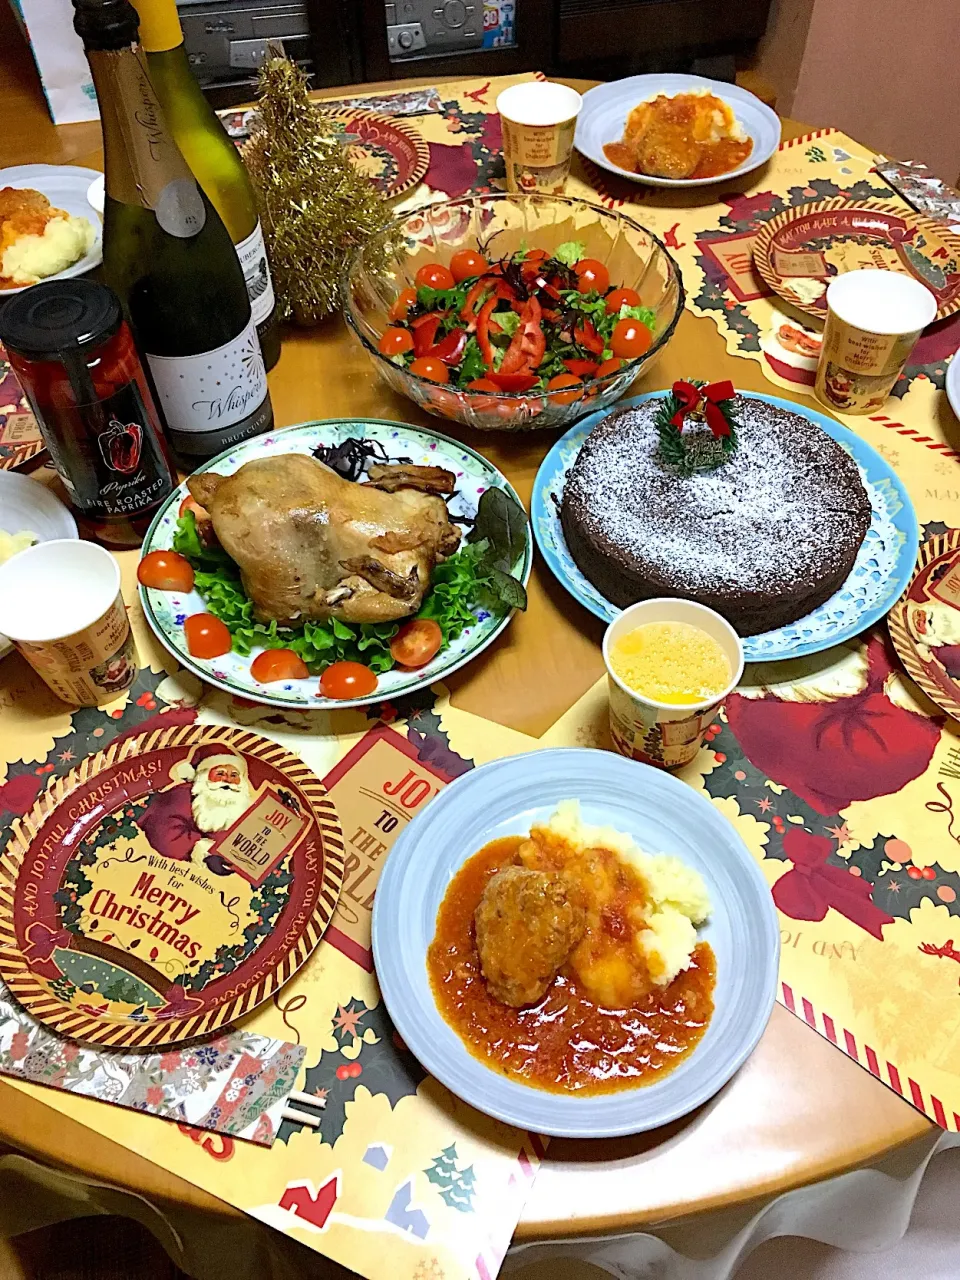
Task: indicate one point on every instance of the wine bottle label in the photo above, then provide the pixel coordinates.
(256, 273)
(180, 210)
(215, 389)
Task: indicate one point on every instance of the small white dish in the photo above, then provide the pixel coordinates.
(26, 504)
(605, 109)
(66, 187)
(953, 383)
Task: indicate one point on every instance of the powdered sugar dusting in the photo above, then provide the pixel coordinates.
(785, 508)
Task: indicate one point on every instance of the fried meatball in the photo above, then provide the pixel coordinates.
(527, 923)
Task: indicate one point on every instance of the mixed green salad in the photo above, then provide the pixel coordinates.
(532, 321)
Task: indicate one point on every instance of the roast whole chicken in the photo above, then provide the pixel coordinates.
(313, 546)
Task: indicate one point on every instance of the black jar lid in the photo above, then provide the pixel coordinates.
(59, 316)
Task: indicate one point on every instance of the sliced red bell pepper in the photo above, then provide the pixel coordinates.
(483, 331)
(488, 281)
(450, 348)
(425, 331)
(513, 381)
(468, 311)
(528, 345)
(587, 336)
(582, 368)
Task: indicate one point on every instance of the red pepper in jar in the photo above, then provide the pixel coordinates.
(74, 356)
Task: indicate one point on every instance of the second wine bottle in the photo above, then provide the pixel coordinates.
(168, 255)
(212, 157)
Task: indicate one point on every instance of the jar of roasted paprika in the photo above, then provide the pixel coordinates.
(75, 358)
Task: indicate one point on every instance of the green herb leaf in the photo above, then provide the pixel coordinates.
(187, 541)
(508, 321)
(570, 252)
(502, 523)
(643, 314)
(508, 589)
(472, 364)
(442, 299)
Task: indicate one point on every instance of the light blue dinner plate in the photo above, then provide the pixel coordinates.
(663, 815)
(605, 109)
(881, 572)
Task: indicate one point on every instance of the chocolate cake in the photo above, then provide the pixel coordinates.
(764, 539)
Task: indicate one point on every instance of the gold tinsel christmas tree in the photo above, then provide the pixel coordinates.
(316, 209)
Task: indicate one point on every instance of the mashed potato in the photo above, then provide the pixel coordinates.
(36, 239)
(64, 241)
(650, 917)
(12, 543)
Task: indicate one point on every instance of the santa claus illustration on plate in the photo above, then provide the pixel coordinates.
(936, 629)
(210, 792)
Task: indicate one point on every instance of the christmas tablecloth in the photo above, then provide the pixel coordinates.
(399, 1167)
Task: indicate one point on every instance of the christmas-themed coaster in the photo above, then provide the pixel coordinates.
(167, 885)
(800, 251)
(925, 622)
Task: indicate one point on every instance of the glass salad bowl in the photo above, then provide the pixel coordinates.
(499, 226)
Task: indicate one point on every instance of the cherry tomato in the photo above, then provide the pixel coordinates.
(631, 338)
(535, 255)
(466, 263)
(346, 680)
(395, 342)
(482, 384)
(416, 643)
(564, 380)
(430, 367)
(207, 636)
(402, 304)
(591, 274)
(166, 571)
(434, 276)
(278, 664)
(621, 297)
(608, 366)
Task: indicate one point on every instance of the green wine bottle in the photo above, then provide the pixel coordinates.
(169, 256)
(212, 157)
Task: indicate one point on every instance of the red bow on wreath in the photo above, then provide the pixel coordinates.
(706, 400)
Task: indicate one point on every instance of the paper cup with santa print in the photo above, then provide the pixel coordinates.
(538, 120)
(874, 319)
(663, 733)
(60, 604)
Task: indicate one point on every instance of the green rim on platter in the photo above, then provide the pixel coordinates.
(231, 672)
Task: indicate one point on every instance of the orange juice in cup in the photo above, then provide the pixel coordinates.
(670, 664)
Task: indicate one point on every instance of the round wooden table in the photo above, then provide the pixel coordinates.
(798, 1111)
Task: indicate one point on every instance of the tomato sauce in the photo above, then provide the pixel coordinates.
(716, 158)
(566, 1043)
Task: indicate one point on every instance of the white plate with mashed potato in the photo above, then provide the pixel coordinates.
(29, 513)
(605, 121)
(576, 944)
(48, 228)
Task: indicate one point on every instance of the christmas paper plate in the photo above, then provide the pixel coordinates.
(663, 815)
(167, 886)
(925, 622)
(798, 252)
(390, 152)
(880, 573)
(166, 610)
